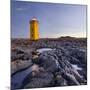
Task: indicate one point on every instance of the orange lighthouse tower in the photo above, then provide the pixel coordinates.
(34, 33)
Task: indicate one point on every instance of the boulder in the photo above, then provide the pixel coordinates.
(59, 80)
(48, 62)
(18, 65)
(42, 79)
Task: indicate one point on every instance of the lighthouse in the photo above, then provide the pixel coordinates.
(34, 26)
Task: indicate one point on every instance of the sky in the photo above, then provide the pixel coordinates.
(55, 19)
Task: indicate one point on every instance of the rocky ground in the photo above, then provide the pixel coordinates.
(48, 62)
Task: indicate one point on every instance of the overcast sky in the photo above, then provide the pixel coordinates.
(55, 20)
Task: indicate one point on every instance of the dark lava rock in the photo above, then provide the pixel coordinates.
(59, 80)
(67, 58)
(48, 62)
(19, 54)
(42, 79)
(60, 60)
(70, 80)
(79, 54)
(18, 65)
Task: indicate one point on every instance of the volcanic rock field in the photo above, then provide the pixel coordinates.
(48, 62)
